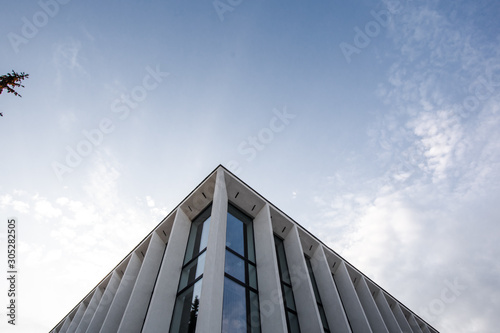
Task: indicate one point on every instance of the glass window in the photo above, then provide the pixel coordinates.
(316, 294)
(192, 271)
(187, 302)
(240, 312)
(292, 320)
(234, 235)
(198, 236)
(234, 316)
(186, 310)
(235, 266)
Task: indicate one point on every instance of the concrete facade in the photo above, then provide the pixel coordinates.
(140, 293)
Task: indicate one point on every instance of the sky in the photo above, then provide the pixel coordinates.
(373, 124)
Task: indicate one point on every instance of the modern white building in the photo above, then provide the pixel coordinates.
(227, 260)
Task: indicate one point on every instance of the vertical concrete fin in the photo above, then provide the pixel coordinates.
(387, 314)
(162, 303)
(104, 304)
(413, 324)
(211, 297)
(77, 318)
(332, 304)
(400, 317)
(90, 311)
(119, 303)
(65, 325)
(371, 310)
(135, 312)
(307, 308)
(352, 305)
(272, 312)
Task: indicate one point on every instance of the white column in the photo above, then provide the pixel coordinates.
(372, 313)
(162, 303)
(400, 317)
(355, 312)
(307, 308)
(272, 312)
(414, 325)
(104, 304)
(89, 313)
(386, 312)
(115, 313)
(133, 317)
(77, 318)
(328, 291)
(211, 297)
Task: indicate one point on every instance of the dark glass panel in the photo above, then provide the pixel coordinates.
(288, 295)
(234, 235)
(251, 250)
(192, 271)
(323, 318)
(283, 267)
(294, 322)
(252, 276)
(235, 266)
(234, 313)
(197, 237)
(254, 313)
(186, 310)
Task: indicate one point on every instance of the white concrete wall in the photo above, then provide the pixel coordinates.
(386, 312)
(77, 318)
(372, 313)
(119, 303)
(307, 309)
(135, 312)
(352, 305)
(90, 311)
(211, 297)
(104, 304)
(162, 303)
(272, 311)
(332, 305)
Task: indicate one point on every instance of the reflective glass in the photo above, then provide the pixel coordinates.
(289, 301)
(251, 250)
(235, 266)
(280, 251)
(252, 276)
(323, 318)
(186, 310)
(197, 237)
(234, 235)
(254, 313)
(294, 323)
(234, 313)
(192, 271)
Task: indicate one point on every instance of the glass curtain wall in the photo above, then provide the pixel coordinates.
(321, 310)
(292, 319)
(188, 293)
(240, 310)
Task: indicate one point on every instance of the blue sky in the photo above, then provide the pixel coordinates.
(373, 124)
